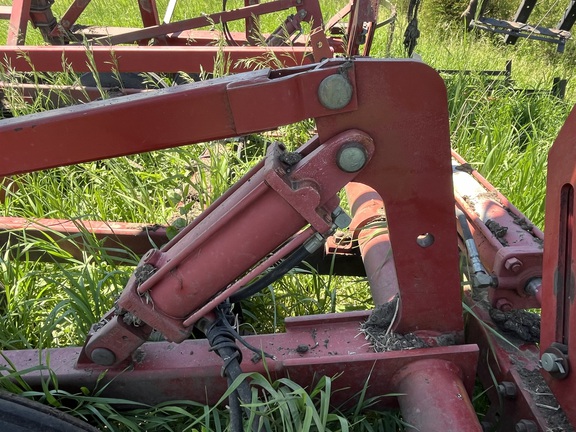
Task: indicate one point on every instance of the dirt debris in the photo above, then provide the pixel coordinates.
(143, 273)
(382, 315)
(378, 330)
(498, 230)
(394, 341)
(465, 167)
(522, 324)
(545, 400)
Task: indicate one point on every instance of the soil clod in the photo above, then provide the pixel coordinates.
(498, 230)
(522, 324)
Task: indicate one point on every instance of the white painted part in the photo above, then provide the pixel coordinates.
(169, 11)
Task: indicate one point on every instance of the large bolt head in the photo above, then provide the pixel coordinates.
(335, 92)
(103, 356)
(351, 157)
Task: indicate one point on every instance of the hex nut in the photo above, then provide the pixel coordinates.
(526, 426)
(513, 264)
(507, 390)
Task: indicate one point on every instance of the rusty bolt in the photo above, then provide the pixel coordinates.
(513, 264)
(507, 390)
(503, 304)
(319, 44)
(526, 426)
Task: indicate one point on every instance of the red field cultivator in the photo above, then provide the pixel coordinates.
(164, 46)
(194, 46)
(383, 136)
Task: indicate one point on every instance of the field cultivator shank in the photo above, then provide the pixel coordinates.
(383, 134)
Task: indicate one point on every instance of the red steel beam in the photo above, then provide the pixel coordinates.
(70, 16)
(62, 95)
(312, 347)
(203, 21)
(212, 112)
(558, 340)
(149, 12)
(141, 58)
(18, 22)
(121, 239)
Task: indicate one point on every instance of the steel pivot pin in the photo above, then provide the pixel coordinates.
(335, 92)
(103, 356)
(351, 157)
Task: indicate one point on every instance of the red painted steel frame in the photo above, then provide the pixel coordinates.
(193, 59)
(62, 95)
(17, 27)
(403, 111)
(514, 258)
(329, 346)
(505, 360)
(392, 115)
(141, 58)
(117, 237)
(558, 281)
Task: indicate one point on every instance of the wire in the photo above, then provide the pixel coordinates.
(227, 34)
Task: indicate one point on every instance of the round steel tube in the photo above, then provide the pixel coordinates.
(371, 232)
(433, 397)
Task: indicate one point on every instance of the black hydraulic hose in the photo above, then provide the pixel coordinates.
(273, 275)
(236, 421)
(222, 341)
(466, 233)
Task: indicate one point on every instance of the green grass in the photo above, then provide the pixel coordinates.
(504, 132)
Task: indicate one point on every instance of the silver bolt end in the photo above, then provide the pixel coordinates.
(335, 92)
(351, 157)
(103, 357)
(550, 362)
